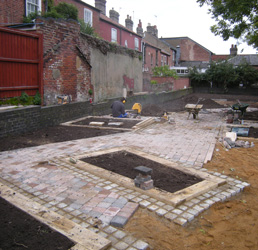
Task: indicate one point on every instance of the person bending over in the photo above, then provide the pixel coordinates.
(118, 108)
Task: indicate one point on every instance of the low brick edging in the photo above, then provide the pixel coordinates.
(21, 120)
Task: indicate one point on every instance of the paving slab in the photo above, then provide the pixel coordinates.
(89, 198)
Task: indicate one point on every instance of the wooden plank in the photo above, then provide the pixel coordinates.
(85, 239)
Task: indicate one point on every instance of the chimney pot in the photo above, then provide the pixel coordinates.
(101, 5)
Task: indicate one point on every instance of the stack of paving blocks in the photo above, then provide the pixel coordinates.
(143, 179)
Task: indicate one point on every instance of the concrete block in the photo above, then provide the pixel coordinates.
(232, 136)
(118, 221)
(96, 124)
(141, 245)
(143, 170)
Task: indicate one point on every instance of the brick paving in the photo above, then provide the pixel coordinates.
(102, 206)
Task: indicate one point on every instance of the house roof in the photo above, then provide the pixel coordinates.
(109, 20)
(175, 41)
(86, 4)
(250, 59)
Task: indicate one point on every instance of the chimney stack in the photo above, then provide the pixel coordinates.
(152, 30)
(129, 23)
(139, 29)
(101, 5)
(233, 50)
(114, 15)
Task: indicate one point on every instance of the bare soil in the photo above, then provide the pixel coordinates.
(229, 225)
(123, 163)
(19, 231)
(51, 135)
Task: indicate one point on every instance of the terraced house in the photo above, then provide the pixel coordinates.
(108, 28)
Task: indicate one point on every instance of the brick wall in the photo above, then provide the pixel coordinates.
(167, 84)
(80, 5)
(22, 120)
(66, 71)
(11, 11)
(190, 51)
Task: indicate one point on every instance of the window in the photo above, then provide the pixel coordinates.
(33, 6)
(165, 60)
(88, 16)
(136, 43)
(161, 60)
(113, 35)
(126, 44)
(151, 59)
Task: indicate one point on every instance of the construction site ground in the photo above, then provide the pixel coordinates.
(223, 217)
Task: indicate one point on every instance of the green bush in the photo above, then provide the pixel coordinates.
(164, 71)
(37, 99)
(153, 82)
(53, 13)
(90, 92)
(68, 11)
(86, 28)
(30, 17)
(62, 10)
(24, 97)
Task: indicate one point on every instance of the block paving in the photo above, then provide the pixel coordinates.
(102, 206)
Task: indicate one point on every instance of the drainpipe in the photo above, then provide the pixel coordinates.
(46, 5)
(143, 55)
(121, 37)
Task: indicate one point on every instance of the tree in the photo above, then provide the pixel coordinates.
(247, 74)
(221, 73)
(235, 18)
(164, 71)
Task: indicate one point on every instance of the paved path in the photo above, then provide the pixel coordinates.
(41, 174)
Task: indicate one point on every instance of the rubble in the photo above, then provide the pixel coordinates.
(230, 141)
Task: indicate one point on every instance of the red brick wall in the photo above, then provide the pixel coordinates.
(11, 11)
(180, 83)
(190, 51)
(80, 7)
(150, 52)
(65, 71)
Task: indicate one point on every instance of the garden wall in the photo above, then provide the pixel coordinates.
(21, 120)
(165, 84)
(74, 63)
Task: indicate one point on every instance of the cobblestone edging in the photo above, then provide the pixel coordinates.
(181, 214)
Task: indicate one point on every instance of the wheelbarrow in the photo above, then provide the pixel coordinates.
(240, 107)
(194, 109)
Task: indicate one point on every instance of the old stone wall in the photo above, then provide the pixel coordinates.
(22, 120)
(74, 63)
(65, 70)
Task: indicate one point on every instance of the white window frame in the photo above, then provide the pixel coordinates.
(136, 43)
(88, 16)
(33, 4)
(126, 44)
(113, 35)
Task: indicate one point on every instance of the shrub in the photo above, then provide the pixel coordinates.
(86, 28)
(37, 99)
(153, 82)
(30, 17)
(90, 92)
(68, 11)
(24, 97)
(164, 71)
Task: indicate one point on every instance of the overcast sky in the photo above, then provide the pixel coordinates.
(175, 18)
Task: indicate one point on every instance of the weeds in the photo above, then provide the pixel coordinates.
(24, 100)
